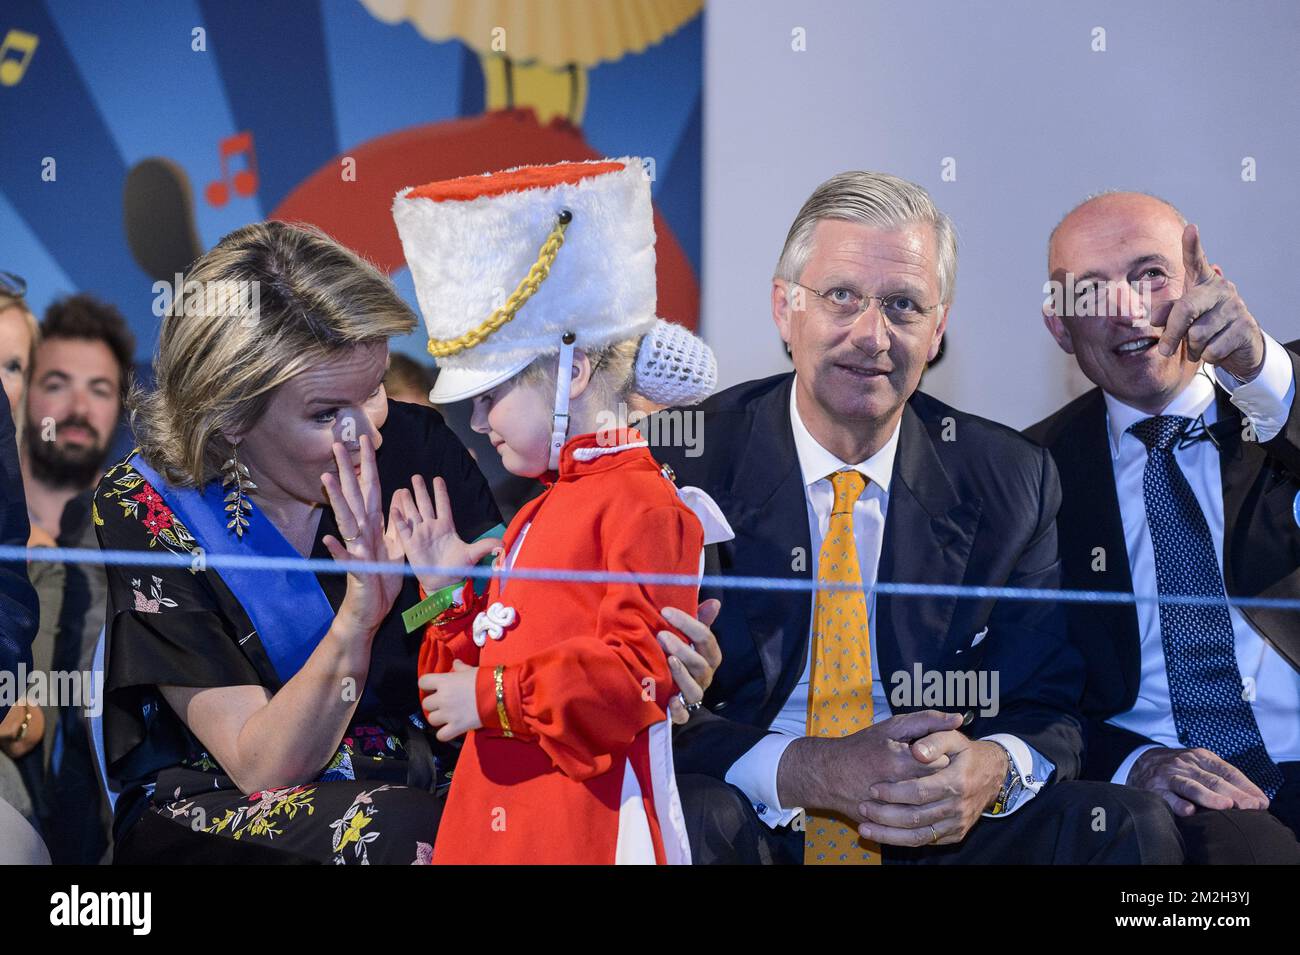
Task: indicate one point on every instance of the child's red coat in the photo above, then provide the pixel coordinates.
(585, 680)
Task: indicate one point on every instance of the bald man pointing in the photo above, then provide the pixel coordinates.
(1180, 477)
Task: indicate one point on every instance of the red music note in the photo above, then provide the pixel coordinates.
(11, 71)
(244, 182)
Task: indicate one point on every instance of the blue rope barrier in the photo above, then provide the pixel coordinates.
(200, 561)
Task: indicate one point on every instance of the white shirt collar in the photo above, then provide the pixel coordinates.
(1193, 401)
(815, 462)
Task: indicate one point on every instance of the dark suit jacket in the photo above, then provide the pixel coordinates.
(1260, 538)
(19, 611)
(977, 510)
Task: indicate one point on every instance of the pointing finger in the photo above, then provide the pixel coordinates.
(1195, 263)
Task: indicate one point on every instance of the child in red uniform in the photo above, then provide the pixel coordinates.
(538, 289)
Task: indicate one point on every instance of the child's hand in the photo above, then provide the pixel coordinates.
(452, 703)
(428, 533)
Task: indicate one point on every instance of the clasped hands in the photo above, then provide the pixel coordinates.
(910, 780)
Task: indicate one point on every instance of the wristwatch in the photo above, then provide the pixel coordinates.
(1012, 785)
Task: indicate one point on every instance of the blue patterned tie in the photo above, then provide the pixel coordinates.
(1205, 685)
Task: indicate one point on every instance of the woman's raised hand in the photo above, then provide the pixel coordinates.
(427, 532)
(357, 503)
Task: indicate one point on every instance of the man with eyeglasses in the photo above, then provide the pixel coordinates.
(848, 726)
(1180, 476)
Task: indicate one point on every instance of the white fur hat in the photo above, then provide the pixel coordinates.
(506, 263)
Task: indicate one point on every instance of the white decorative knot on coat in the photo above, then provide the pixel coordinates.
(493, 623)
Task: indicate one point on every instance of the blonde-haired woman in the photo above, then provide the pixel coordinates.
(18, 335)
(24, 727)
(256, 715)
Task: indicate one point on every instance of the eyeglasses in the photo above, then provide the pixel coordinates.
(14, 285)
(843, 305)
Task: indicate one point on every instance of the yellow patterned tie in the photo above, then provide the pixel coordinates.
(839, 695)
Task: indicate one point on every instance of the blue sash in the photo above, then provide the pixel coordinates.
(288, 609)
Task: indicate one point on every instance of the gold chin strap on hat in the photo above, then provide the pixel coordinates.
(526, 289)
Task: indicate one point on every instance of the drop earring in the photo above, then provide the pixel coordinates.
(238, 505)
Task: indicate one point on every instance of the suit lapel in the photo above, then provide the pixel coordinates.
(1089, 519)
(1238, 469)
(769, 512)
(929, 532)
(1259, 533)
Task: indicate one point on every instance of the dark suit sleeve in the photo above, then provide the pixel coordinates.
(1108, 746)
(1285, 445)
(709, 743)
(1040, 673)
(19, 611)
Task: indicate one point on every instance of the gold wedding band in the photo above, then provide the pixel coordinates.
(934, 834)
(349, 540)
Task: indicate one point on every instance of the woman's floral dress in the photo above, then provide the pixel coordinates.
(377, 800)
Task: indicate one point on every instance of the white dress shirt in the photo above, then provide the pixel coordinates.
(1266, 401)
(755, 772)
